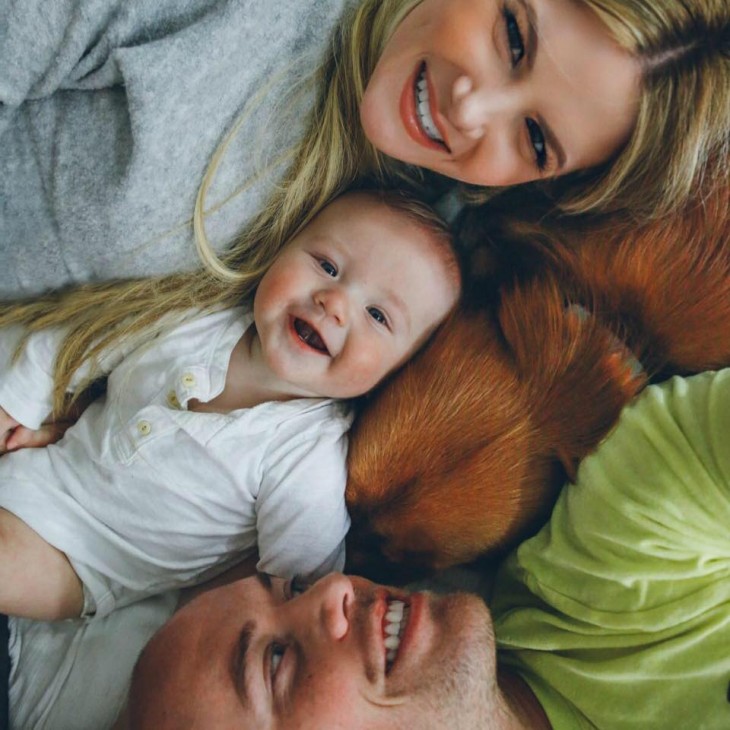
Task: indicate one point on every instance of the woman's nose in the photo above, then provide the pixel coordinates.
(474, 108)
(334, 303)
(336, 604)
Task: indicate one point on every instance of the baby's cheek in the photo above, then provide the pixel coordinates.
(370, 367)
(275, 290)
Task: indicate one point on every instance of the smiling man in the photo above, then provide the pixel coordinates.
(614, 616)
(344, 654)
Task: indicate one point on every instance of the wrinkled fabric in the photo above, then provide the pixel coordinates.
(618, 612)
(144, 495)
(110, 111)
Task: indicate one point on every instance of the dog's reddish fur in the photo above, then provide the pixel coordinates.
(463, 451)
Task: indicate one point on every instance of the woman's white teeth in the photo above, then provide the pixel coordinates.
(395, 620)
(424, 109)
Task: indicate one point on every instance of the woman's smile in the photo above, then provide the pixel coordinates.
(419, 111)
(499, 93)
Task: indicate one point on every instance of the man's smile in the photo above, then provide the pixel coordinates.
(394, 623)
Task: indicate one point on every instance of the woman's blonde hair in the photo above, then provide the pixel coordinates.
(682, 133)
(332, 156)
(683, 122)
(98, 317)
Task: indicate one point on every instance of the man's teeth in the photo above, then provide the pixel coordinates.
(424, 110)
(394, 623)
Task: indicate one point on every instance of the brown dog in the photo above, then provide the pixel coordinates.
(464, 450)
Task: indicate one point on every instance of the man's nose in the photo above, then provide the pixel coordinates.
(334, 303)
(476, 106)
(337, 600)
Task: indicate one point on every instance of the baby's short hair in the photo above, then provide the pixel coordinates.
(426, 217)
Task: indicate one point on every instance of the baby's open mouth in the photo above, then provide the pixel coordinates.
(310, 336)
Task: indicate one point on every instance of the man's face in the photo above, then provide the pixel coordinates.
(257, 654)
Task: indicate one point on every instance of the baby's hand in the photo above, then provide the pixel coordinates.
(13, 436)
(7, 427)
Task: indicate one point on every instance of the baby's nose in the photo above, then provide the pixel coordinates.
(334, 302)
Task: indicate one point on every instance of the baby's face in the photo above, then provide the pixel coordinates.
(352, 297)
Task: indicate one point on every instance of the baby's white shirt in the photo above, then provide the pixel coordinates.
(143, 495)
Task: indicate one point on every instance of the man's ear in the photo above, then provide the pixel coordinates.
(576, 372)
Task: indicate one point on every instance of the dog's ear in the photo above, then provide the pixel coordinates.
(442, 464)
(576, 373)
(664, 286)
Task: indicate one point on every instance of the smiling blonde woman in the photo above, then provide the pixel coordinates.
(111, 118)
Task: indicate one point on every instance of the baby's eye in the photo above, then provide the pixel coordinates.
(277, 654)
(328, 267)
(377, 315)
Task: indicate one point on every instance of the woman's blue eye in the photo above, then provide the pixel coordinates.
(537, 140)
(514, 37)
(377, 315)
(328, 267)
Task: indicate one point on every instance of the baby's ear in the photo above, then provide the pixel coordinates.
(578, 375)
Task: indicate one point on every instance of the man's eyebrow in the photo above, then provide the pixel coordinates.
(532, 50)
(264, 579)
(238, 668)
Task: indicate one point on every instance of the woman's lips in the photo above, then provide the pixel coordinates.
(409, 113)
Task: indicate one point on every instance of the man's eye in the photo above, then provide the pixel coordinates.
(328, 267)
(377, 315)
(514, 37)
(277, 654)
(537, 140)
(296, 586)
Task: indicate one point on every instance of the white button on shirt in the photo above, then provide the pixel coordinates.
(144, 428)
(188, 380)
(144, 495)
